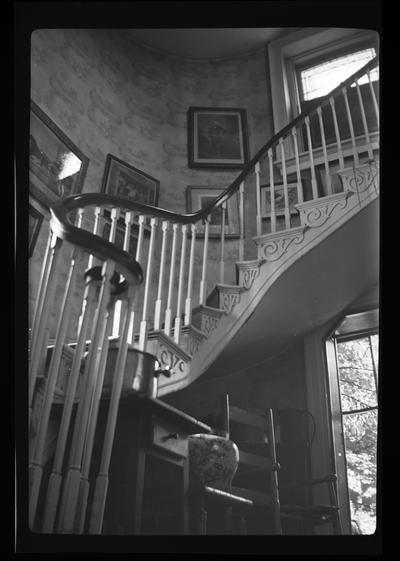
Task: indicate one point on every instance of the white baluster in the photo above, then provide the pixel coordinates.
(188, 302)
(54, 487)
(337, 135)
(178, 318)
(222, 262)
(50, 281)
(310, 152)
(96, 232)
(100, 493)
(364, 120)
(92, 423)
(72, 483)
(37, 448)
(129, 216)
(326, 163)
(203, 282)
(300, 197)
(351, 128)
(41, 293)
(157, 310)
(373, 96)
(143, 324)
(285, 187)
(168, 311)
(241, 221)
(272, 191)
(258, 198)
(139, 247)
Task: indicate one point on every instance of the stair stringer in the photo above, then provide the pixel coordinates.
(305, 239)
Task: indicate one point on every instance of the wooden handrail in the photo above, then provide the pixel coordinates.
(129, 267)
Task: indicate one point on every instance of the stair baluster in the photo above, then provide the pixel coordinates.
(178, 318)
(149, 270)
(188, 303)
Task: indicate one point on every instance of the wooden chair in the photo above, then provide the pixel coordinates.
(258, 444)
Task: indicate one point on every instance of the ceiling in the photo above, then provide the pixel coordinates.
(206, 44)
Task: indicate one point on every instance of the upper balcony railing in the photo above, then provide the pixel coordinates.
(92, 288)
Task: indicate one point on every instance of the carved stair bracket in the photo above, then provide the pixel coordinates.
(360, 179)
(315, 213)
(209, 319)
(229, 296)
(248, 272)
(192, 339)
(170, 356)
(274, 246)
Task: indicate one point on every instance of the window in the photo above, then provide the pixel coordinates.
(318, 80)
(358, 388)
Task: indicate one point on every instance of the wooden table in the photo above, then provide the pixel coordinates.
(145, 427)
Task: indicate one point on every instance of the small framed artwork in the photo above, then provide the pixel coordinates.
(217, 138)
(57, 167)
(35, 222)
(198, 198)
(123, 180)
(279, 200)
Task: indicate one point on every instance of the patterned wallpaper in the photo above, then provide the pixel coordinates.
(110, 95)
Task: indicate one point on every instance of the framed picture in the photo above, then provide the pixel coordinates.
(198, 198)
(217, 138)
(123, 180)
(35, 222)
(279, 200)
(57, 167)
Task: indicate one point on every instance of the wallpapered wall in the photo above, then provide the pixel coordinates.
(277, 383)
(110, 95)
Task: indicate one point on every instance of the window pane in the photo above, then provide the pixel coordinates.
(356, 375)
(319, 80)
(360, 435)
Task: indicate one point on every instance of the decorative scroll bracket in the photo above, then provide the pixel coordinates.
(170, 355)
(274, 246)
(229, 296)
(361, 178)
(248, 271)
(192, 339)
(316, 212)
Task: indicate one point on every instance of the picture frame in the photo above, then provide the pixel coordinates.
(198, 197)
(125, 181)
(279, 199)
(217, 137)
(35, 222)
(57, 167)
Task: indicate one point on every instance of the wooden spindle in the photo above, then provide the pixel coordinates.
(100, 492)
(168, 311)
(92, 423)
(300, 197)
(258, 198)
(272, 191)
(326, 163)
(311, 154)
(96, 232)
(143, 324)
(203, 281)
(37, 449)
(337, 134)
(178, 318)
(222, 262)
(50, 280)
(138, 255)
(188, 302)
(157, 309)
(129, 216)
(285, 186)
(351, 128)
(72, 483)
(241, 221)
(54, 487)
(364, 121)
(373, 96)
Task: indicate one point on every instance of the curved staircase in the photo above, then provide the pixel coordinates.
(310, 260)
